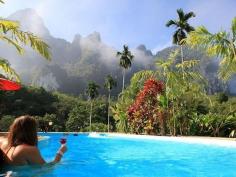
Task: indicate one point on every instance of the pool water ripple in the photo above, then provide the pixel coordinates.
(126, 157)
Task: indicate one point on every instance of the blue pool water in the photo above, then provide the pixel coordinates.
(126, 157)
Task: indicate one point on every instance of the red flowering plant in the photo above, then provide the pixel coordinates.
(145, 115)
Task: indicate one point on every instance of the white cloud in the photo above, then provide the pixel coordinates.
(161, 47)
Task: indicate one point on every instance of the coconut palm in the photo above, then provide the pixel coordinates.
(221, 44)
(125, 61)
(11, 33)
(92, 92)
(183, 28)
(109, 84)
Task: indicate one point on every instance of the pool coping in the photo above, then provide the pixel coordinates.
(217, 141)
(213, 141)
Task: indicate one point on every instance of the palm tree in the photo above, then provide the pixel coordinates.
(183, 28)
(221, 44)
(10, 32)
(92, 92)
(109, 84)
(178, 83)
(125, 61)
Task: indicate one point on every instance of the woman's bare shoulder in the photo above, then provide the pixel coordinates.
(3, 142)
(27, 148)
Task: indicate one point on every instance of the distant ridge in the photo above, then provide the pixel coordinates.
(88, 58)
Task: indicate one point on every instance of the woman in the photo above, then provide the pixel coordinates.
(20, 147)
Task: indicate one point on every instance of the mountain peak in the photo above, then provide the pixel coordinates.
(95, 37)
(30, 21)
(77, 38)
(143, 48)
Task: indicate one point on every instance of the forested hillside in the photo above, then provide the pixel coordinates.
(88, 58)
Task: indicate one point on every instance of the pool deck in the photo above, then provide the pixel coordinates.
(218, 141)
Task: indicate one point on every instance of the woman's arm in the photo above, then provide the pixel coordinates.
(60, 153)
(34, 156)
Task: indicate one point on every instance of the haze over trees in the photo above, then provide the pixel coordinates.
(11, 33)
(88, 58)
(165, 95)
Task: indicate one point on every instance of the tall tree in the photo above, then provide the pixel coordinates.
(92, 92)
(109, 84)
(182, 29)
(178, 83)
(221, 44)
(126, 58)
(11, 33)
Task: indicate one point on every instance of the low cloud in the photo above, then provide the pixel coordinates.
(161, 47)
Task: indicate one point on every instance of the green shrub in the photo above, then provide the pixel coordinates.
(78, 118)
(222, 97)
(96, 127)
(5, 122)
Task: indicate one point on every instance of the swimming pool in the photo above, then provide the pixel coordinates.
(108, 156)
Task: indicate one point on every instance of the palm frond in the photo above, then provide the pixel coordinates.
(167, 63)
(35, 43)
(118, 53)
(219, 44)
(227, 70)
(109, 82)
(233, 28)
(189, 15)
(171, 22)
(13, 43)
(125, 57)
(182, 26)
(180, 36)
(180, 13)
(189, 28)
(215, 44)
(175, 37)
(188, 64)
(1, 1)
(14, 36)
(8, 70)
(6, 25)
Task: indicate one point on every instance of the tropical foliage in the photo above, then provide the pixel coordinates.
(183, 27)
(92, 92)
(126, 59)
(11, 33)
(127, 97)
(144, 115)
(170, 99)
(109, 84)
(221, 44)
(67, 113)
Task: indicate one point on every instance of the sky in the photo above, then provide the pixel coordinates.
(131, 22)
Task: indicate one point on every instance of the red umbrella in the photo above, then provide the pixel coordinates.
(9, 85)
